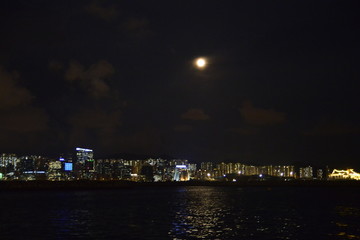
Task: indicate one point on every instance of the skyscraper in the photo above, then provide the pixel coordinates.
(84, 165)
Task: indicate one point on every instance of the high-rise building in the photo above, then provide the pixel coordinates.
(181, 173)
(306, 172)
(206, 166)
(319, 174)
(8, 163)
(84, 165)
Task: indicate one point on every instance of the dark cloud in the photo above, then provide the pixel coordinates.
(16, 112)
(11, 94)
(97, 9)
(137, 27)
(244, 131)
(259, 116)
(93, 79)
(333, 129)
(23, 120)
(144, 141)
(287, 61)
(183, 128)
(195, 114)
(101, 125)
(55, 65)
(20, 121)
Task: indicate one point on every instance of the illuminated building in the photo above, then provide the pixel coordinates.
(54, 171)
(114, 169)
(8, 163)
(206, 166)
(283, 171)
(319, 174)
(26, 164)
(31, 168)
(84, 165)
(265, 170)
(251, 170)
(147, 171)
(181, 173)
(344, 174)
(306, 172)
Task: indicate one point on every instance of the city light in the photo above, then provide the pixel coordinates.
(84, 149)
(181, 166)
(68, 167)
(344, 174)
(81, 164)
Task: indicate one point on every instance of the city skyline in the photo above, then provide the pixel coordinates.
(259, 82)
(80, 164)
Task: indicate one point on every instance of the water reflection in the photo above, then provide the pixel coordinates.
(71, 219)
(346, 222)
(215, 213)
(200, 213)
(182, 213)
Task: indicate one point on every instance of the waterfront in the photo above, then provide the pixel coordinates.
(183, 212)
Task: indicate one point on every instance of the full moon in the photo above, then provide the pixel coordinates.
(200, 62)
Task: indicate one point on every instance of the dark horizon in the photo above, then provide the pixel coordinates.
(280, 85)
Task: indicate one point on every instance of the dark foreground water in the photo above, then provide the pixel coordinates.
(183, 213)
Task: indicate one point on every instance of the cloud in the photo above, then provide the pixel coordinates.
(11, 94)
(332, 129)
(144, 141)
(104, 12)
(16, 112)
(94, 126)
(195, 114)
(137, 27)
(259, 116)
(55, 65)
(23, 120)
(96, 119)
(244, 131)
(183, 128)
(93, 79)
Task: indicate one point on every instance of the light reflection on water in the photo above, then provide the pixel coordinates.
(206, 213)
(182, 213)
(344, 223)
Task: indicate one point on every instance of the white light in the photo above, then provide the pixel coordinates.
(34, 172)
(84, 149)
(200, 63)
(208, 174)
(260, 175)
(180, 166)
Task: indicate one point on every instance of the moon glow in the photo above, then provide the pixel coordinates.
(200, 63)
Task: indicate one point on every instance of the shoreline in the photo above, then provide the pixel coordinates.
(108, 185)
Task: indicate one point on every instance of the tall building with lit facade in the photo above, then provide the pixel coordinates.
(181, 173)
(306, 172)
(283, 171)
(206, 166)
(8, 163)
(84, 165)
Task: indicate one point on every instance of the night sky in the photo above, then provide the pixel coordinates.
(281, 84)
